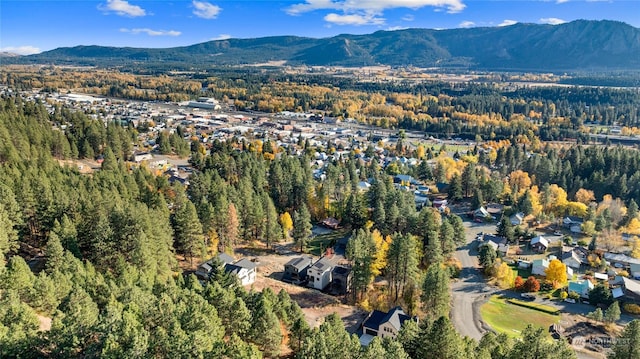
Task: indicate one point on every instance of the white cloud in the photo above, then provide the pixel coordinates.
(151, 32)
(369, 12)
(552, 21)
(452, 6)
(561, 1)
(408, 17)
(396, 28)
(221, 37)
(21, 50)
(205, 9)
(507, 23)
(353, 19)
(122, 8)
(467, 24)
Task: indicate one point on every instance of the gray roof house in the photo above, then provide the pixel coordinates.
(295, 270)
(383, 325)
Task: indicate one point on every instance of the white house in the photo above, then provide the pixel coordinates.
(244, 269)
(319, 273)
(539, 266)
(572, 258)
(517, 219)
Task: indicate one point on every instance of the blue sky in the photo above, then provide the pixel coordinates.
(30, 26)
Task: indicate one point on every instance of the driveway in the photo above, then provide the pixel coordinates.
(470, 291)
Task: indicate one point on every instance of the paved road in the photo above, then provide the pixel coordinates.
(470, 290)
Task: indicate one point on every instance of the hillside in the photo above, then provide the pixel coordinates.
(578, 45)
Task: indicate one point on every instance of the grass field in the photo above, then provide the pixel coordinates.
(321, 242)
(511, 319)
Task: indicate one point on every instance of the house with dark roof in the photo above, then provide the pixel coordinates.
(204, 270)
(244, 269)
(499, 244)
(383, 325)
(341, 279)
(295, 270)
(539, 244)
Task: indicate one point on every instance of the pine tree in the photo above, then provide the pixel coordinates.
(627, 346)
(612, 314)
(402, 264)
(361, 251)
(265, 331)
(455, 188)
(273, 230)
(301, 227)
(188, 230)
(435, 292)
(442, 341)
(54, 253)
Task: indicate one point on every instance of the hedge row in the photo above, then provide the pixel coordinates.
(538, 307)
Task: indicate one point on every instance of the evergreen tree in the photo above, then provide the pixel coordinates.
(361, 251)
(402, 264)
(505, 229)
(442, 341)
(301, 227)
(265, 331)
(627, 346)
(477, 201)
(54, 253)
(435, 292)
(455, 188)
(612, 314)
(188, 230)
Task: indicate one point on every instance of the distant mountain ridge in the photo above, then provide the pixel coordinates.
(577, 45)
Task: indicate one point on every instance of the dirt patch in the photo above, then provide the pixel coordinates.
(45, 323)
(585, 336)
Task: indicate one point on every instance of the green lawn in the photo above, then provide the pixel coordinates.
(321, 242)
(511, 319)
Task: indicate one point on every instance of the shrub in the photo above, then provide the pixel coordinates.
(574, 295)
(631, 308)
(531, 284)
(563, 295)
(583, 243)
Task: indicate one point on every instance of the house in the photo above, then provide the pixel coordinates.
(499, 244)
(330, 222)
(481, 213)
(574, 224)
(634, 270)
(539, 266)
(517, 219)
(295, 270)
(539, 244)
(244, 269)
(582, 287)
(571, 258)
(363, 186)
(626, 288)
(204, 270)
(601, 276)
(619, 260)
(383, 325)
(403, 179)
(341, 279)
(440, 204)
(319, 273)
(142, 156)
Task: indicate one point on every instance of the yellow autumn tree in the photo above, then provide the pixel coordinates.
(534, 196)
(519, 181)
(286, 222)
(576, 209)
(635, 247)
(556, 273)
(558, 201)
(420, 152)
(380, 256)
(633, 227)
(504, 275)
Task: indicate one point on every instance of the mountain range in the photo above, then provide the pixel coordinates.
(578, 45)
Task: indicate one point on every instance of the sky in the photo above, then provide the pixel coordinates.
(32, 26)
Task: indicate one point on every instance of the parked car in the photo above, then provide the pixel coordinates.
(528, 296)
(569, 300)
(557, 233)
